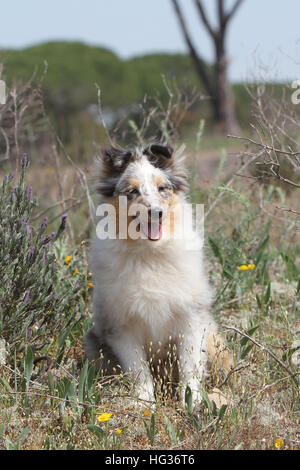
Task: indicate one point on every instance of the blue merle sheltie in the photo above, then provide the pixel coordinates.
(151, 292)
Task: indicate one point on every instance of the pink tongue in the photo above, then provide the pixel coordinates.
(154, 230)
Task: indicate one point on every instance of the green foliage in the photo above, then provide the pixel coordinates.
(264, 299)
(10, 445)
(34, 296)
(149, 70)
(292, 271)
(203, 415)
(28, 365)
(105, 439)
(175, 435)
(75, 393)
(245, 348)
(188, 398)
(73, 68)
(245, 245)
(150, 428)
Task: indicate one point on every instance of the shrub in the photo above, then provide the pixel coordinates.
(35, 303)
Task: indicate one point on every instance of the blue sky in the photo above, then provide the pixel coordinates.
(264, 38)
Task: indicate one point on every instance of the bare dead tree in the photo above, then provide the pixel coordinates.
(216, 82)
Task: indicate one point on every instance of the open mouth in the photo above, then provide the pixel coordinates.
(152, 229)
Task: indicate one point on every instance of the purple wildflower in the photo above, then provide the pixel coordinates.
(31, 252)
(48, 238)
(26, 296)
(44, 224)
(62, 224)
(25, 161)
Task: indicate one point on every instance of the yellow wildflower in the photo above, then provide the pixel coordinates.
(90, 284)
(68, 260)
(146, 413)
(278, 442)
(75, 272)
(118, 432)
(243, 267)
(104, 417)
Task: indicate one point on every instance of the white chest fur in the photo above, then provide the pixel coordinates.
(159, 287)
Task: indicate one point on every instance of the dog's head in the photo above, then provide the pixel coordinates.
(150, 180)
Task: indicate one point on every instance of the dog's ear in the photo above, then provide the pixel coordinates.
(116, 158)
(163, 157)
(111, 162)
(158, 154)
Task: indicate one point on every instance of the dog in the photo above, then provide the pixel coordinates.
(151, 292)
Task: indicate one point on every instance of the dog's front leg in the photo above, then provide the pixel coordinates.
(133, 359)
(192, 360)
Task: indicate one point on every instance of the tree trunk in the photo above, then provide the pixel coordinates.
(224, 105)
(217, 84)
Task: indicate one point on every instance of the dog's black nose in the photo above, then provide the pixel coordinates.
(156, 212)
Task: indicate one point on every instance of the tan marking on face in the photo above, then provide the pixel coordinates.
(170, 199)
(173, 200)
(158, 180)
(172, 211)
(134, 183)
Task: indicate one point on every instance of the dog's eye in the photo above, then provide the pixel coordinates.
(133, 191)
(161, 188)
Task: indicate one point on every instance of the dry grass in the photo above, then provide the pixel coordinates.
(264, 403)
